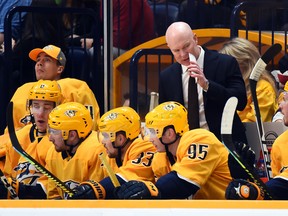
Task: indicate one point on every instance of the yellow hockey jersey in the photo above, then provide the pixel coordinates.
(85, 164)
(26, 172)
(137, 162)
(161, 165)
(267, 101)
(279, 154)
(26, 137)
(71, 89)
(203, 160)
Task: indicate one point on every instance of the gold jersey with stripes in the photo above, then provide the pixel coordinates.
(203, 160)
(26, 136)
(137, 161)
(85, 164)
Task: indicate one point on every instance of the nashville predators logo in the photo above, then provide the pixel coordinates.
(42, 86)
(112, 116)
(70, 113)
(70, 184)
(169, 107)
(27, 173)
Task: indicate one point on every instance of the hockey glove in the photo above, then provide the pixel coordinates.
(246, 154)
(240, 189)
(137, 190)
(89, 190)
(16, 189)
(12, 191)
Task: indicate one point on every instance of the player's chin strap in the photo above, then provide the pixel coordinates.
(118, 158)
(75, 145)
(40, 133)
(169, 154)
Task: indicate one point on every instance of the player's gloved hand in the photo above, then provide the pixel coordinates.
(240, 189)
(12, 191)
(19, 190)
(247, 154)
(137, 190)
(89, 190)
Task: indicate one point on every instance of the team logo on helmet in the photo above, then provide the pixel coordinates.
(70, 113)
(112, 116)
(169, 107)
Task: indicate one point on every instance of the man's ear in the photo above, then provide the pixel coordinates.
(171, 132)
(60, 69)
(73, 134)
(121, 138)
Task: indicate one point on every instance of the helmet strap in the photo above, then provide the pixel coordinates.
(177, 136)
(71, 147)
(118, 158)
(169, 155)
(78, 143)
(39, 133)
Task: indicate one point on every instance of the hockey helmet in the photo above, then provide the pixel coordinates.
(45, 90)
(124, 119)
(70, 116)
(167, 114)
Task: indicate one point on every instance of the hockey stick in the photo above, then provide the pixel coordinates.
(22, 152)
(253, 79)
(226, 133)
(109, 170)
(13, 194)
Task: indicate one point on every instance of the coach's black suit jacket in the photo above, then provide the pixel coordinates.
(225, 80)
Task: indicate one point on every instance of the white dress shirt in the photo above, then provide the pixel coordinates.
(185, 80)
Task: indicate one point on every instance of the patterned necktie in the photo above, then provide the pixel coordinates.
(193, 106)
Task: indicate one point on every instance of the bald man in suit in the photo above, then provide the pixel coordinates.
(218, 78)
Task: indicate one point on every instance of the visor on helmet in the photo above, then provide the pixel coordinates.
(151, 133)
(53, 131)
(107, 136)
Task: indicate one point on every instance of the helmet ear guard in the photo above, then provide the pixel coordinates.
(167, 114)
(71, 116)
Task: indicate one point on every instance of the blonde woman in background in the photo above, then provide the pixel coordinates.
(247, 54)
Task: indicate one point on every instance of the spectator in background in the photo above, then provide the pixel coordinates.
(39, 30)
(79, 26)
(283, 88)
(133, 24)
(247, 54)
(206, 13)
(5, 7)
